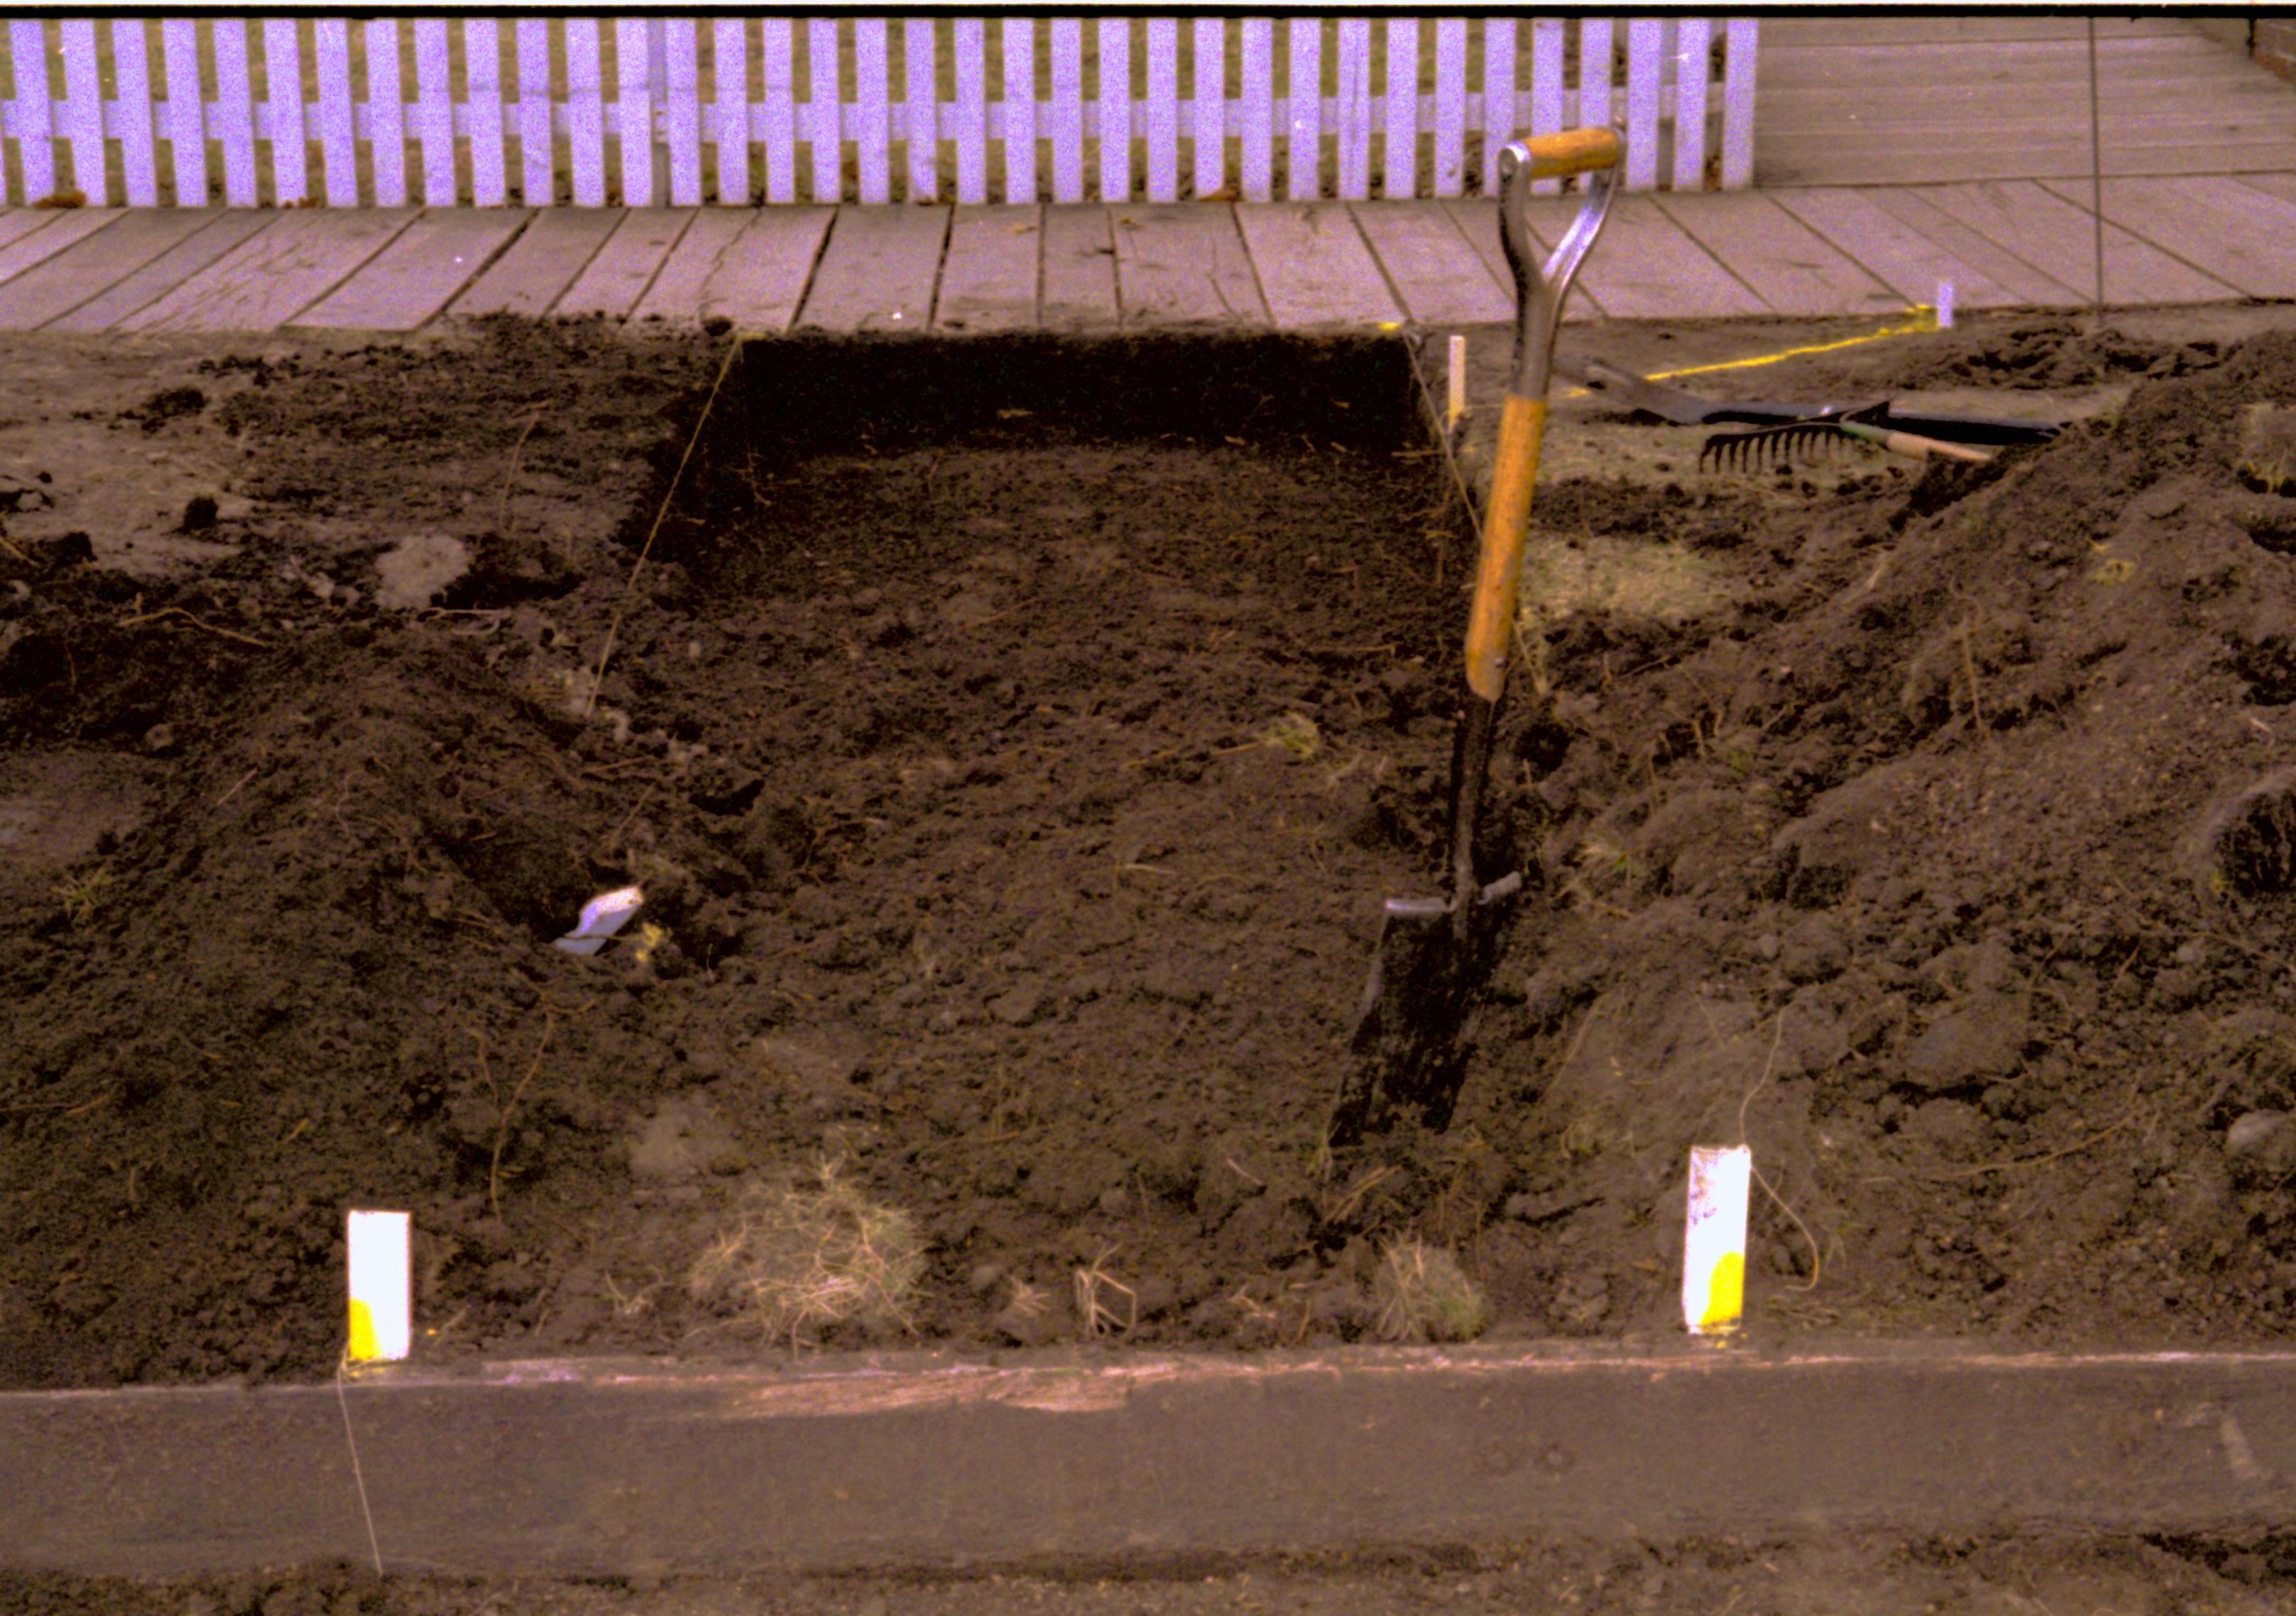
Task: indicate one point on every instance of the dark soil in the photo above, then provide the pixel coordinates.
(1870, 1574)
(1015, 746)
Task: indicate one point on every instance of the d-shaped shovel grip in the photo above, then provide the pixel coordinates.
(1539, 292)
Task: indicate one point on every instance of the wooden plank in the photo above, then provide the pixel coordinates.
(1790, 268)
(267, 280)
(878, 271)
(988, 279)
(1477, 220)
(1078, 270)
(406, 285)
(1646, 267)
(1353, 168)
(2026, 283)
(1806, 112)
(2219, 226)
(2282, 185)
(750, 268)
(1546, 115)
(235, 110)
(1788, 31)
(70, 278)
(1314, 267)
(2054, 235)
(1594, 39)
(585, 110)
(16, 222)
(70, 225)
(226, 230)
(1645, 62)
(1956, 67)
(1814, 165)
(618, 275)
(1905, 259)
(541, 263)
(1184, 264)
(1441, 279)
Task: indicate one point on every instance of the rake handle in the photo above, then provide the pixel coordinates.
(1914, 446)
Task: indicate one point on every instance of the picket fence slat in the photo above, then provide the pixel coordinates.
(1116, 108)
(1020, 43)
(729, 57)
(824, 138)
(1023, 116)
(873, 111)
(1741, 36)
(1645, 53)
(83, 119)
(1353, 180)
(283, 108)
(682, 113)
(330, 53)
(968, 120)
(1546, 110)
(1207, 111)
(1256, 124)
(131, 70)
(537, 141)
(1065, 122)
(33, 115)
(1159, 113)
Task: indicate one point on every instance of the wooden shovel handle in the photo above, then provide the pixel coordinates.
(1574, 151)
(1506, 523)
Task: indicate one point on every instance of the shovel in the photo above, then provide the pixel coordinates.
(1434, 953)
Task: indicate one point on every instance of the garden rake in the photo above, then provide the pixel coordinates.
(1824, 434)
(1433, 953)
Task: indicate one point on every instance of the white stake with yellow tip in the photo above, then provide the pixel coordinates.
(1714, 1239)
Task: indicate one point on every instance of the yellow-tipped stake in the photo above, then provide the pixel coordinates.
(1714, 1242)
(381, 1271)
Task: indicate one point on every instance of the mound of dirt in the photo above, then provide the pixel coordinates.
(1954, 875)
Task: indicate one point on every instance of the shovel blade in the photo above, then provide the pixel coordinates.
(1409, 1055)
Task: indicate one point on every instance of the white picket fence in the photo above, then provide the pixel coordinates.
(286, 112)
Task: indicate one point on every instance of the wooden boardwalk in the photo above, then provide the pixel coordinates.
(1804, 252)
(1848, 100)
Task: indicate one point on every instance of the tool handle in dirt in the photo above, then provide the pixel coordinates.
(1914, 446)
(1540, 290)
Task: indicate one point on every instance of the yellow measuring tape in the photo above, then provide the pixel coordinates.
(1924, 318)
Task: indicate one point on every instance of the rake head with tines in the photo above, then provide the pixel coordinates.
(1821, 437)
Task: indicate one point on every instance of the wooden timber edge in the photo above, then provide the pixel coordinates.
(927, 1460)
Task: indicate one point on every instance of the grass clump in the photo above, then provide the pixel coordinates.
(805, 1258)
(1420, 1294)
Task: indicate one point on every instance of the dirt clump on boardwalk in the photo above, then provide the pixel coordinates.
(1013, 762)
